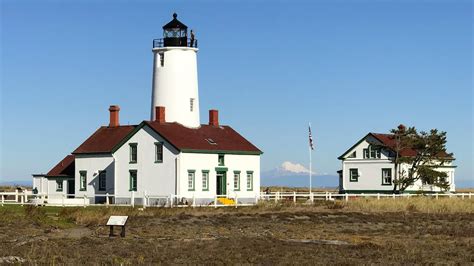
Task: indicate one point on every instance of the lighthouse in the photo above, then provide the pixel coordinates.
(175, 78)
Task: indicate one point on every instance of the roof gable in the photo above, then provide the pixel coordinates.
(353, 146)
(206, 138)
(104, 140)
(388, 141)
(64, 168)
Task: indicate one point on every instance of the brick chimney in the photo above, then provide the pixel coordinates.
(160, 114)
(114, 116)
(214, 118)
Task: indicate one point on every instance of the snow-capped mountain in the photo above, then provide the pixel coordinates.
(296, 175)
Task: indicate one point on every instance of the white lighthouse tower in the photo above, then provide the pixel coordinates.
(175, 79)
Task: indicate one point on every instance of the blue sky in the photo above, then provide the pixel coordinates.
(270, 67)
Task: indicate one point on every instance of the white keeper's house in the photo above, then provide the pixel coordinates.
(368, 167)
(170, 154)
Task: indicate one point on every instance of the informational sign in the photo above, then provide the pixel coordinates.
(117, 220)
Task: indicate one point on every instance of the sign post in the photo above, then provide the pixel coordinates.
(117, 221)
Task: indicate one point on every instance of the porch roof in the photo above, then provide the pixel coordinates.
(65, 168)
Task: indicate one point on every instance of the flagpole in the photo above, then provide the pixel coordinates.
(310, 165)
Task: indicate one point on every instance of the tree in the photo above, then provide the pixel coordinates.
(423, 152)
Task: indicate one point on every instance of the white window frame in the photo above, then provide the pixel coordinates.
(102, 178)
(191, 180)
(236, 180)
(205, 180)
(384, 176)
(59, 185)
(82, 180)
(353, 178)
(249, 181)
(158, 152)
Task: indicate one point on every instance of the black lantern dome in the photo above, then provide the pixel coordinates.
(175, 33)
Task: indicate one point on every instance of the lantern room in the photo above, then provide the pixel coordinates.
(175, 33)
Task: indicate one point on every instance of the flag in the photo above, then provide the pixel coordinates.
(310, 139)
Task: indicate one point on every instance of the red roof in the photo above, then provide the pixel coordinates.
(388, 140)
(104, 139)
(204, 138)
(64, 168)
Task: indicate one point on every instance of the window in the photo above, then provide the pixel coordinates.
(221, 160)
(133, 180)
(371, 152)
(191, 174)
(133, 152)
(102, 180)
(191, 104)
(387, 176)
(211, 141)
(162, 59)
(205, 180)
(353, 175)
(82, 180)
(158, 152)
(249, 180)
(236, 180)
(59, 185)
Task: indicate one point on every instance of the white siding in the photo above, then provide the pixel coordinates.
(175, 83)
(93, 164)
(51, 187)
(40, 183)
(201, 161)
(370, 171)
(154, 178)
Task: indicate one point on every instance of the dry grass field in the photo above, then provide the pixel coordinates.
(362, 231)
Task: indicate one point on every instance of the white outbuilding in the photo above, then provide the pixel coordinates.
(368, 167)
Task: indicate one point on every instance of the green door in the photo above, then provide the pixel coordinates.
(221, 183)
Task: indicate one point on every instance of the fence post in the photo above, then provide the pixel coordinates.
(326, 196)
(85, 197)
(194, 201)
(107, 199)
(25, 196)
(294, 197)
(62, 199)
(436, 195)
(393, 195)
(3, 199)
(311, 196)
(378, 196)
(256, 199)
(215, 201)
(470, 193)
(16, 195)
(171, 200)
(144, 199)
(21, 200)
(236, 200)
(347, 197)
(132, 199)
